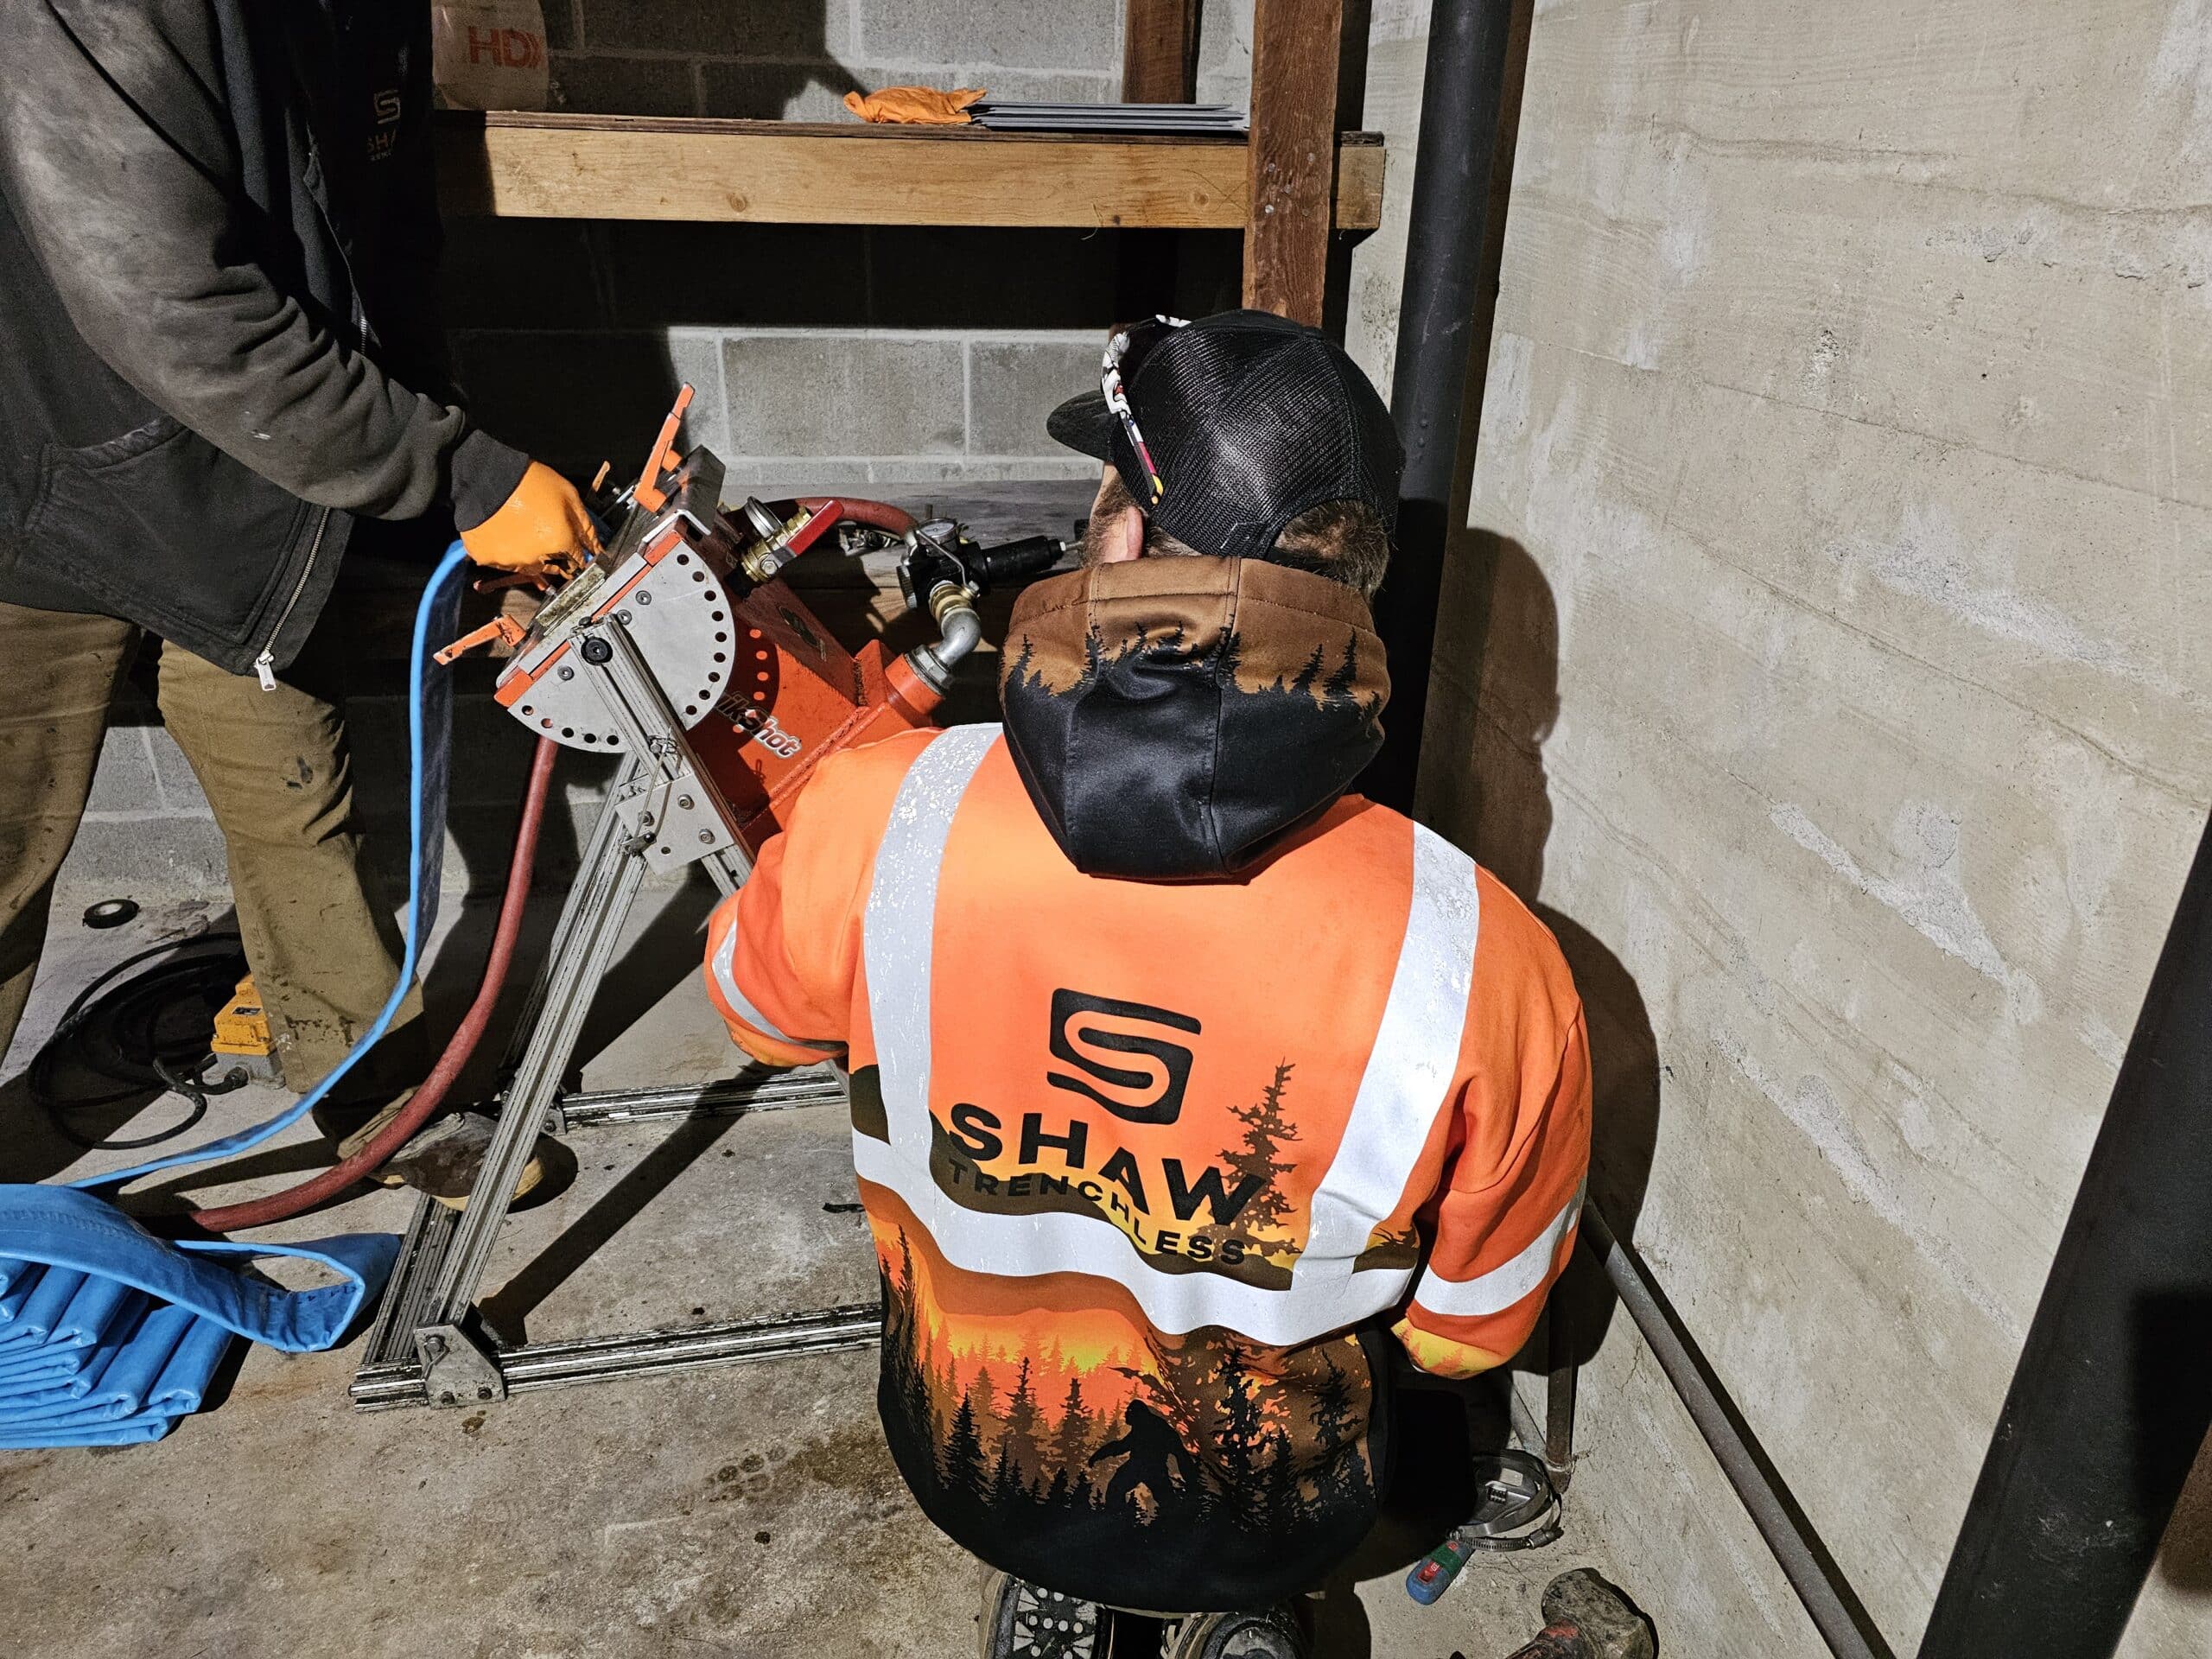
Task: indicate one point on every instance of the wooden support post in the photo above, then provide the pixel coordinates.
(1160, 52)
(1159, 65)
(1295, 48)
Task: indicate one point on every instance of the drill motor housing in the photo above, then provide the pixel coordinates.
(763, 689)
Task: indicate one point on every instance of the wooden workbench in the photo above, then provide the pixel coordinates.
(1291, 187)
(547, 166)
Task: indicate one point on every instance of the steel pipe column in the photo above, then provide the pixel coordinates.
(1462, 92)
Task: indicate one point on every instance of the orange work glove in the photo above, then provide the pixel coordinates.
(542, 530)
(919, 106)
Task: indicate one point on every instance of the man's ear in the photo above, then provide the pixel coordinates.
(1122, 537)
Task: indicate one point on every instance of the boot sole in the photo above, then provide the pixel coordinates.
(533, 1173)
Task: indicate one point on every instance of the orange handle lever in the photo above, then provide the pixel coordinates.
(500, 629)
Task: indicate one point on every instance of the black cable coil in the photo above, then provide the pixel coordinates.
(148, 1032)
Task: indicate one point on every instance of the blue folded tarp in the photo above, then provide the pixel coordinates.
(108, 1334)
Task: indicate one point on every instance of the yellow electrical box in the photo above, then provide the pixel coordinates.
(242, 1025)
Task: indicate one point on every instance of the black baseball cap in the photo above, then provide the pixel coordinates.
(1250, 419)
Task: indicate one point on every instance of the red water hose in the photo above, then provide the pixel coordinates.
(278, 1206)
(877, 515)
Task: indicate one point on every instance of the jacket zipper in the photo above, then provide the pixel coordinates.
(265, 664)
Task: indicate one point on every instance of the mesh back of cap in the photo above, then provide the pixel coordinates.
(1251, 424)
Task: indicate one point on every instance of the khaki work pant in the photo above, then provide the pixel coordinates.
(275, 766)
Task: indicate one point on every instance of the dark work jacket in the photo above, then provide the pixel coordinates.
(220, 343)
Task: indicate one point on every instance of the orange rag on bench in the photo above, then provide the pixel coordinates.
(923, 106)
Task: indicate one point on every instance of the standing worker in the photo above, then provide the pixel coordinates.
(221, 364)
(1178, 1075)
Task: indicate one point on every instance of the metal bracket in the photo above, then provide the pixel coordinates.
(671, 797)
(674, 822)
(456, 1369)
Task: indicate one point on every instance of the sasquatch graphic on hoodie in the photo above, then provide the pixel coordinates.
(1180, 1080)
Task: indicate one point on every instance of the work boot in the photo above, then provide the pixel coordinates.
(1270, 1633)
(444, 1156)
(349, 1125)
(441, 1158)
(1021, 1621)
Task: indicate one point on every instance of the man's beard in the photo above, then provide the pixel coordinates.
(1091, 546)
(1087, 549)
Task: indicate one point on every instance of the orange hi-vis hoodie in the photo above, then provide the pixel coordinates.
(1177, 1079)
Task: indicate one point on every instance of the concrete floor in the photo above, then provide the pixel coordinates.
(745, 1512)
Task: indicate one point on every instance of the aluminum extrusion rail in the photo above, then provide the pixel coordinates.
(730, 1097)
(599, 1359)
(391, 1371)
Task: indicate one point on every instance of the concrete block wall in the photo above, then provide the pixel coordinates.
(819, 355)
(1826, 654)
(822, 355)
(795, 59)
(146, 827)
(789, 407)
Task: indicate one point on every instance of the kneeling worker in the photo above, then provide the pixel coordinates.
(220, 363)
(1178, 1075)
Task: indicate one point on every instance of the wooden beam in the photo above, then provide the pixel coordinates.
(1160, 52)
(1362, 163)
(547, 166)
(1292, 153)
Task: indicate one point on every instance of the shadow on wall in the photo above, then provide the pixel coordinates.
(574, 401)
(761, 60)
(1497, 699)
(1493, 700)
(768, 91)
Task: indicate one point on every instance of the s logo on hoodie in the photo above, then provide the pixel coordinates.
(1088, 1030)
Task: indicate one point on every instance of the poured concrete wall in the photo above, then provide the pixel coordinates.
(1831, 654)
